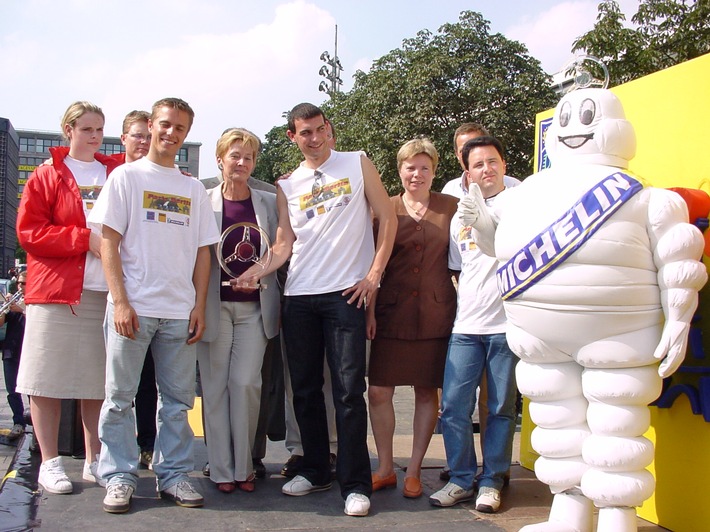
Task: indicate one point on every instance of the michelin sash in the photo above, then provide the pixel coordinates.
(564, 236)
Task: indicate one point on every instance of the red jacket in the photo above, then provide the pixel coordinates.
(51, 228)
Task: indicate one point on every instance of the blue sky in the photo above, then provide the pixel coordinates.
(237, 63)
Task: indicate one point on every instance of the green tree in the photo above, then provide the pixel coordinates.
(278, 156)
(20, 254)
(435, 82)
(665, 33)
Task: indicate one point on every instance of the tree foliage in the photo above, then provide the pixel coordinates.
(279, 156)
(434, 83)
(428, 87)
(666, 32)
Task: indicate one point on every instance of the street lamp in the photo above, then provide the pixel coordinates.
(331, 70)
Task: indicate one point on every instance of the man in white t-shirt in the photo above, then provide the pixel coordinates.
(458, 186)
(325, 227)
(477, 346)
(157, 225)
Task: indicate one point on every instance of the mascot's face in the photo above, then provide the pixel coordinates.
(590, 126)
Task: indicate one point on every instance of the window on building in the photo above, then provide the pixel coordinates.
(181, 156)
(111, 149)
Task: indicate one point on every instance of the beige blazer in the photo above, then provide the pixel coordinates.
(267, 219)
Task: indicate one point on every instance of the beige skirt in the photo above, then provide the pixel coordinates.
(63, 353)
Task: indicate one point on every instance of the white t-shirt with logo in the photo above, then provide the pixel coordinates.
(90, 177)
(330, 217)
(164, 217)
(480, 307)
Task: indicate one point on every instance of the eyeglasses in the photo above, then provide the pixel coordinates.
(21, 282)
(139, 137)
(319, 181)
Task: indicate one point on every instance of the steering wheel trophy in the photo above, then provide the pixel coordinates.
(244, 251)
(584, 72)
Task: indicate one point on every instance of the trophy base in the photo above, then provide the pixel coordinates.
(259, 286)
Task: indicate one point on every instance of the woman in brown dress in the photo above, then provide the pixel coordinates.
(411, 318)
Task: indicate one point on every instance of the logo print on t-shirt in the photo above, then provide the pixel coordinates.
(167, 208)
(320, 204)
(89, 194)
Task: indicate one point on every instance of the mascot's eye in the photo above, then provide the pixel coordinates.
(587, 111)
(565, 114)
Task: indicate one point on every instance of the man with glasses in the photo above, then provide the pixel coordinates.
(325, 227)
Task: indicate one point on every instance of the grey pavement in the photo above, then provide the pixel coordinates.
(525, 501)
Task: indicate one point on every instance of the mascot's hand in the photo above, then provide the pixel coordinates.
(473, 211)
(469, 209)
(671, 349)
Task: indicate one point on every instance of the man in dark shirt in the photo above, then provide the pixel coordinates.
(14, 316)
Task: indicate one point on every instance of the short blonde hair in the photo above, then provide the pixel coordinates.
(76, 111)
(134, 117)
(415, 147)
(234, 134)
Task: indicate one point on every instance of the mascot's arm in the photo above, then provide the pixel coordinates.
(677, 249)
(473, 212)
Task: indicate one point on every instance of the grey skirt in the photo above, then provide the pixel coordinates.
(63, 353)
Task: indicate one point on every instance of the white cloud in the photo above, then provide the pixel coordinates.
(245, 75)
(549, 35)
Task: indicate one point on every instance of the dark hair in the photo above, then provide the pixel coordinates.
(477, 143)
(303, 111)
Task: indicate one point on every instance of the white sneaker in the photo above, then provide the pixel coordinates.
(450, 494)
(183, 494)
(53, 478)
(299, 486)
(90, 472)
(488, 500)
(357, 504)
(118, 498)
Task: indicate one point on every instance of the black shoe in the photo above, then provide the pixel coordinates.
(445, 474)
(259, 467)
(333, 460)
(206, 470)
(293, 466)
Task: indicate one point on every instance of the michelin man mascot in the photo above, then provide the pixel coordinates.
(599, 276)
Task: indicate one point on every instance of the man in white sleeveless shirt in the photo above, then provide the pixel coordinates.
(325, 227)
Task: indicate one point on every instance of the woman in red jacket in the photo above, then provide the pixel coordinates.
(63, 356)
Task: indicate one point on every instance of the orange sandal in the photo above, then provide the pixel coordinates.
(412, 487)
(380, 483)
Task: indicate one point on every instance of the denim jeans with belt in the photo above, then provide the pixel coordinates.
(175, 363)
(312, 324)
(469, 355)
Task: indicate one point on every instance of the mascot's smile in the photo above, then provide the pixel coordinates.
(576, 141)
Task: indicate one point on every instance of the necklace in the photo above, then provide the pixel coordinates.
(421, 210)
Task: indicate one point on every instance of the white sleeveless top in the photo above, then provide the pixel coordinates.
(334, 245)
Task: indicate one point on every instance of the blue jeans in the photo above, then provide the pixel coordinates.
(175, 374)
(468, 356)
(312, 324)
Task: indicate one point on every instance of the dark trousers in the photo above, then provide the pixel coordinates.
(311, 324)
(14, 399)
(271, 411)
(146, 405)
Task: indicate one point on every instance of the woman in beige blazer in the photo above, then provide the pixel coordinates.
(238, 323)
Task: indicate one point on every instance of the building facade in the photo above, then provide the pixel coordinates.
(9, 197)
